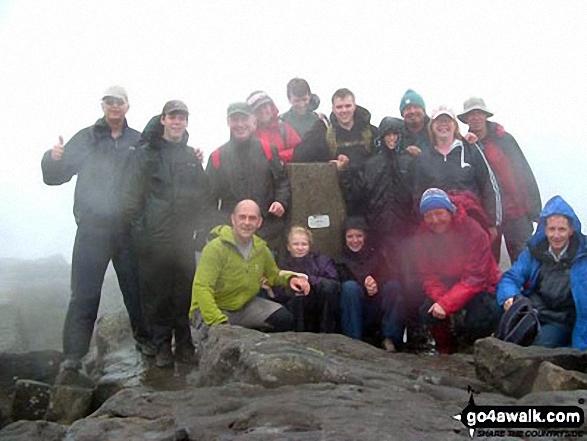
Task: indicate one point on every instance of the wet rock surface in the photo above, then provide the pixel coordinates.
(513, 369)
(255, 386)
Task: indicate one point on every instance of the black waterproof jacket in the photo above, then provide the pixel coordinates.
(464, 170)
(167, 196)
(98, 160)
(377, 192)
(314, 147)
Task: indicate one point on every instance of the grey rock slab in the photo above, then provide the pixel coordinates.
(512, 369)
(68, 404)
(33, 431)
(551, 377)
(323, 411)
(30, 400)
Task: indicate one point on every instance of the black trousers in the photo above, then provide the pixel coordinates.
(167, 271)
(93, 250)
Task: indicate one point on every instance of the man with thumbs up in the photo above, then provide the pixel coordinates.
(97, 155)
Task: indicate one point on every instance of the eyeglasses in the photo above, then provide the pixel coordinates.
(112, 101)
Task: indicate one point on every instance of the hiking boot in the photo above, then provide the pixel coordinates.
(186, 355)
(388, 345)
(164, 357)
(146, 347)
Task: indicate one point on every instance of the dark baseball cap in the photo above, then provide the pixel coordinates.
(175, 106)
(235, 108)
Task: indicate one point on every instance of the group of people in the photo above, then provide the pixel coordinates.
(427, 209)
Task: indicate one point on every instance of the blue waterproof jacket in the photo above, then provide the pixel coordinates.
(522, 276)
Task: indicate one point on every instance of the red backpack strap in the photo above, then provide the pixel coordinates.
(216, 158)
(267, 149)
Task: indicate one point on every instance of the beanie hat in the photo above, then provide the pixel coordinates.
(411, 98)
(355, 223)
(257, 99)
(435, 198)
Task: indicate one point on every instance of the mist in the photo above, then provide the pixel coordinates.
(526, 59)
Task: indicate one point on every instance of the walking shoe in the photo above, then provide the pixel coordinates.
(146, 347)
(388, 345)
(164, 357)
(186, 355)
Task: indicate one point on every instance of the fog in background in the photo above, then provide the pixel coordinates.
(525, 58)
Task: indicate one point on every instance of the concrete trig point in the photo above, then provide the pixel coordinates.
(317, 204)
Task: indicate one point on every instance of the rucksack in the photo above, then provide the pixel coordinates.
(520, 323)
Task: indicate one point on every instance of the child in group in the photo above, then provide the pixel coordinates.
(371, 301)
(319, 311)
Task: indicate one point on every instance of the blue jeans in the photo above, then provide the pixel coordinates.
(383, 312)
(553, 336)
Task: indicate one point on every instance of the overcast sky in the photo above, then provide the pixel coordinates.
(525, 58)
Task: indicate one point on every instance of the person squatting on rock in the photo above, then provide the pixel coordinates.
(319, 310)
(301, 115)
(371, 302)
(552, 273)
(167, 199)
(232, 270)
(247, 168)
(519, 192)
(97, 155)
(270, 128)
(458, 272)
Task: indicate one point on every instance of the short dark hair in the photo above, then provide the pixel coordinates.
(569, 219)
(298, 87)
(342, 93)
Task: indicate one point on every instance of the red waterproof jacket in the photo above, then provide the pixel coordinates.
(280, 134)
(457, 265)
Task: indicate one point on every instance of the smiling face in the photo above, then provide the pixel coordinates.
(444, 126)
(241, 126)
(558, 232)
(114, 109)
(174, 126)
(300, 104)
(477, 121)
(264, 113)
(246, 220)
(414, 117)
(298, 245)
(438, 220)
(344, 110)
(391, 140)
(355, 239)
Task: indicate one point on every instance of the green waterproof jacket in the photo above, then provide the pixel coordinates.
(226, 281)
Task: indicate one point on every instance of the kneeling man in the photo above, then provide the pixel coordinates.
(232, 270)
(552, 272)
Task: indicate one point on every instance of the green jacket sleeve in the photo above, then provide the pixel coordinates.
(205, 281)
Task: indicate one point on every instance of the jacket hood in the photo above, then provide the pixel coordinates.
(225, 234)
(388, 125)
(556, 205)
(362, 117)
(153, 132)
(314, 102)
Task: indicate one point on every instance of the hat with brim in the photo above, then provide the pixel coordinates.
(442, 110)
(116, 92)
(242, 108)
(175, 106)
(473, 104)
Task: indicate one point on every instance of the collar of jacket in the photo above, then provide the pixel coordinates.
(102, 129)
(226, 235)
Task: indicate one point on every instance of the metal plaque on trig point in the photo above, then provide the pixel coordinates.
(318, 221)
